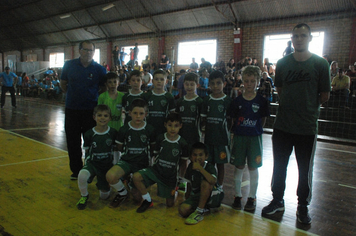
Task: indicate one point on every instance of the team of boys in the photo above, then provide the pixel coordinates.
(132, 124)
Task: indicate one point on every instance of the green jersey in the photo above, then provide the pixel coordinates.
(168, 154)
(115, 107)
(190, 109)
(159, 105)
(216, 111)
(126, 103)
(99, 146)
(195, 177)
(136, 142)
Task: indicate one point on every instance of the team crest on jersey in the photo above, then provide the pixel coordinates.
(109, 142)
(143, 138)
(163, 103)
(193, 108)
(181, 108)
(255, 107)
(175, 152)
(221, 108)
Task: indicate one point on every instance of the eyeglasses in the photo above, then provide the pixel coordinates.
(87, 50)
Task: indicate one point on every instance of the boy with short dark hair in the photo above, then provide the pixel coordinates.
(170, 148)
(201, 192)
(135, 81)
(133, 139)
(160, 102)
(98, 145)
(248, 113)
(215, 123)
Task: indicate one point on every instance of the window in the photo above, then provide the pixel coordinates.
(142, 53)
(56, 60)
(198, 49)
(96, 56)
(274, 45)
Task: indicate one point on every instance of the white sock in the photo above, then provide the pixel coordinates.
(116, 157)
(238, 179)
(104, 195)
(253, 183)
(120, 187)
(147, 197)
(83, 177)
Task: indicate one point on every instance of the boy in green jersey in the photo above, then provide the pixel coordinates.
(135, 81)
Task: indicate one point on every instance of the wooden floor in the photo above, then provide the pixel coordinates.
(38, 198)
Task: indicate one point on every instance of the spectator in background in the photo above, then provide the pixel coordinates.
(220, 65)
(340, 86)
(266, 86)
(19, 84)
(153, 67)
(81, 79)
(289, 49)
(203, 83)
(122, 56)
(146, 63)
(205, 64)
(8, 82)
(231, 64)
(333, 69)
(106, 66)
(269, 67)
(136, 51)
(254, 62)
(115, 57)
(194, 66)
(164, 62)
(146, 81)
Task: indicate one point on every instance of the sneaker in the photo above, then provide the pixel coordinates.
(250, 204)
(303, 215)
(82, 204)
(273, 207)
(144, 206)
(73, 177)
(194, 218)
(237, 203)
(118, 199)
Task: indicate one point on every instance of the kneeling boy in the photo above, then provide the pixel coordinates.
(201, 189)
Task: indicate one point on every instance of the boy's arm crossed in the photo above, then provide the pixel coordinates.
(209, 177)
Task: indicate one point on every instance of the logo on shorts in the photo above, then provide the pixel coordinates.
(222, 155)
(175, 152)
(109, 142)
(221, 108)
(163, 103)
(143, 138)
(255, 107)
(258, 159)
(193, 108)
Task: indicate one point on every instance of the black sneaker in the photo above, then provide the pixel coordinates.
(303, 215)
(144, 206)
(82, 204)
(273, 207)
(118, 199)
(250, 204)
(237, 203)
(73, 177)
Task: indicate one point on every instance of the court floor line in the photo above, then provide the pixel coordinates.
(337, 150)
(26, 162)
(347, 186)
(24, 129)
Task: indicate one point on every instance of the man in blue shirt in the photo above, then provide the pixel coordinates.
(8, 84)
(81, 79)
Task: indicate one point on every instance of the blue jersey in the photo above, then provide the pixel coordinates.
(8, 79)
(248, 114)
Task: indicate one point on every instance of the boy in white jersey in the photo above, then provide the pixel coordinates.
(248, 113)
(134, 140)
(135, 81)
(98, 145)
(160, 102)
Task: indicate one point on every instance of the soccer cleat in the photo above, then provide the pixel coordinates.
(303, 215)
(82, 204)
(118, 199)
(273, 207)
(237, 203)
(250, 204)
(182, 186)
(194, 218)
(73, 177)
(144, 206)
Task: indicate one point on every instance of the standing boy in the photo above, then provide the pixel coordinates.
(160, 103)
(98, 146)
(189, 107)
(248, 113)
(8, 84)
(215, 123)
(113, 99)
(303, 83)
(201, 192)
(170, 147)
(133, 139)
(135, 81)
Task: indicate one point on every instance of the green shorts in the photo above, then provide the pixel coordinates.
(100, 172)
(218, 154)
(247, 148)
(163, 190)
(130, 167)
(214, 200)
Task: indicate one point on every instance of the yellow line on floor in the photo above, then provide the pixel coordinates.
(25, 162)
